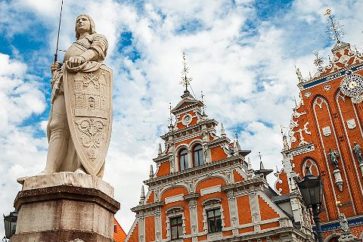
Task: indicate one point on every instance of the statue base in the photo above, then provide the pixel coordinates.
(65, 207)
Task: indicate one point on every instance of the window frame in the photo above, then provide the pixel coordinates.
(198, 154)
(178, 225)
(184, 160)
(216, 219)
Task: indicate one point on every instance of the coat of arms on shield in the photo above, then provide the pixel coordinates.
(88, 99)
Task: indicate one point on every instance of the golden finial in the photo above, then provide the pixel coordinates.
(335, 29)
(185, 79)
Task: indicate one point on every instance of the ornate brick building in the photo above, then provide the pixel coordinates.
(326, 135)
(204, 189)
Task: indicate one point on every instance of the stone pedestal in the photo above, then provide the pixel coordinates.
(65, 207)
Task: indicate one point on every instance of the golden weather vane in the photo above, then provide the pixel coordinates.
(335, 29)
(185, 79)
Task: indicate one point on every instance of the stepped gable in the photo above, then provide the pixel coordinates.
(325, 134)
(203, 185)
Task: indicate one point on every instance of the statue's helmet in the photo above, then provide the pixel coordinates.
(92, 25)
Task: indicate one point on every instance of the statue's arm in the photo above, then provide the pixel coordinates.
(98, 49)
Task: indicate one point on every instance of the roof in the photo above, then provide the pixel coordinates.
(119, 234)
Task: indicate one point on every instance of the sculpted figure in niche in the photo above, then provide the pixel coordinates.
(79, 125)
(358, 152)
(333, 157)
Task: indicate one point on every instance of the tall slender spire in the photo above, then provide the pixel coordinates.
(151, 174)
(142, 195)
(223, 131)
(170, 118)
(185, 79)
(160, 151)
(203, 108)
(335, 29)
(262, 167)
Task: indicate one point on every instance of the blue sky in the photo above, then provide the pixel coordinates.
(241, 54)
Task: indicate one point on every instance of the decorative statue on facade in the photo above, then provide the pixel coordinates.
(333, 157)
(358, 152)
(79, 125)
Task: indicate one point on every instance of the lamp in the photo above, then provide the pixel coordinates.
(311, 189)
(10, 224)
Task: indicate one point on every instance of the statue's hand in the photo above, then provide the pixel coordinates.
(76, 60)
(55, 66)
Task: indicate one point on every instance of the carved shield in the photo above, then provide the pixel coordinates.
(88, 97)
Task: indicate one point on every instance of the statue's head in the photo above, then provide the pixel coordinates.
(84, 23)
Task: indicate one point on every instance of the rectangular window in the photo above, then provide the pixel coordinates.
(214, 220)
(176, 227)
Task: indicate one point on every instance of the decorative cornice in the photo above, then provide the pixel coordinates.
(191, 196)
(162, 158)
(197, 127)
(233, 160)
(319, 80)
(243, 185)
(147, 207)
(299, 150)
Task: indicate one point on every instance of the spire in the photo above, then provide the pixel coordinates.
(284, 140)
(185, 79)
(203, 107)
(160, 150)
(262, 167)
(170, 119)
(223, 132)
(298, 74)
(142, 196)
(335, 29)
(151, 174)
(250, 172)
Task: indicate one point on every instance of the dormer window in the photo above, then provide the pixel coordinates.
(198, 155)
(183, 159)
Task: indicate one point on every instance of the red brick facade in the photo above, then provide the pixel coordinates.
(329, 119)
(204, 190)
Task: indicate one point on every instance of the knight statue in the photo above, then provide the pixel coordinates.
(79, 125)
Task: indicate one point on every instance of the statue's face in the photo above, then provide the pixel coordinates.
(83, 24)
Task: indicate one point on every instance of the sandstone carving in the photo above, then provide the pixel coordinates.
(79, 125)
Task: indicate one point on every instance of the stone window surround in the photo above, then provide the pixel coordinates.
(190, 157)
(172, 213)
(208, 204)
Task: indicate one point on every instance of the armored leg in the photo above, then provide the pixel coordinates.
(58, 136)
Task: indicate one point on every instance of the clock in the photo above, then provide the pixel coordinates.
(187, 119)
(352, 86)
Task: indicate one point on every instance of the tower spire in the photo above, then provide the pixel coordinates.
(185, 79)
(170, 118)
(334, 27)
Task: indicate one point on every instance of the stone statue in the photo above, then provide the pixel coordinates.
(358, 152)
(79, 125)
(333, 157)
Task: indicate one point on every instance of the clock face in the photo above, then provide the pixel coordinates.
(187, 119)
(352, 86)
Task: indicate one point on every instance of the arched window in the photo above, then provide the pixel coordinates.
(183, 159)
(198, 155)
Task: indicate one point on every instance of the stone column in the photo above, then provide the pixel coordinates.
(141, 226)
(233, 211)
(64, 207)
(255, 210)
(158, 227)
(191, 198)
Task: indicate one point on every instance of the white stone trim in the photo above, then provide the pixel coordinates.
(352, 156)
(176, 198)
(315, 103)
(210, 190)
